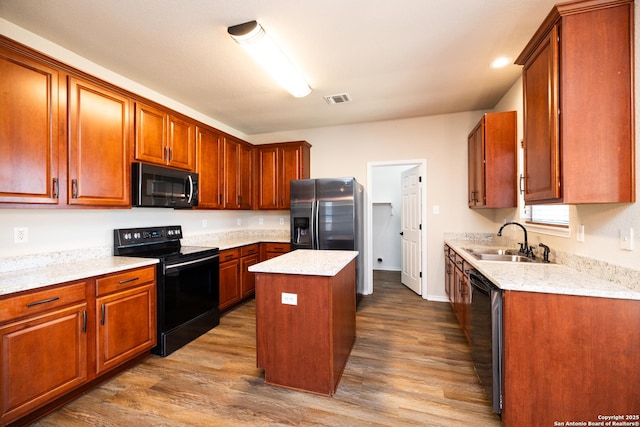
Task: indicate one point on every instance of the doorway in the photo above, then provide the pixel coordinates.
(383, 221)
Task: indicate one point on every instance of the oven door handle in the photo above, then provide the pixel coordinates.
(187, 263)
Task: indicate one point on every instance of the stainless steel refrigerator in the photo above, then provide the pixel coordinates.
(327, 214)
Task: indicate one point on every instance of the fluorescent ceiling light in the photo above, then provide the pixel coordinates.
(252, 37)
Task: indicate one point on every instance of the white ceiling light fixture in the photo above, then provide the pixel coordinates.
(500, 62)
(252, 37)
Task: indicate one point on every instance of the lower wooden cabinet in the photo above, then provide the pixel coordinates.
(272, 250)
(43, 357)
(126, 317)
(458, 288)
(237, 283)
(229, 278)
(57, 339)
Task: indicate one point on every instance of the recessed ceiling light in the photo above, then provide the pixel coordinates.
(503, 61)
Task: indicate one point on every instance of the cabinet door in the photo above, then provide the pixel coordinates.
(151, 134)
(245, 177)
(247, 278)
(476, 166)
(181, 145)
(293, 166)
(126, 325)
(209, 168)
(229, 282)
(42, 357)
(268, 177)
(541, 133)
(99, 138)
(230, 171)
(28, 130)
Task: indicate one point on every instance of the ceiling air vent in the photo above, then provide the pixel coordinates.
(338, 99)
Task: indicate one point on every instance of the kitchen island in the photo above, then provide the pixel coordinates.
(305, 318)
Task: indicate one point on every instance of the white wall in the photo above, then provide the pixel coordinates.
(387, 203)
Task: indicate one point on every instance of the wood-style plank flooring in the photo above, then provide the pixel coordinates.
(410, 365)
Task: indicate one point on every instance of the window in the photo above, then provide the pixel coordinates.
(553, 215)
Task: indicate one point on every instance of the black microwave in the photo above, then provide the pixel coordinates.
(159, 186)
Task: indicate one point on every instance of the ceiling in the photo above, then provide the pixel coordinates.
(396, 59)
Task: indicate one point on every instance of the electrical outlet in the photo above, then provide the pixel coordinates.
(281, 221)
(580, 233)
(436, 210)
(204, 223)
(626, 239)
(20, 235)
(260, 221)
(239, 221)
(289, 299)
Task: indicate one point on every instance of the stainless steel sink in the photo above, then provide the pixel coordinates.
(500, 257)
(492, 251)
(499, 254)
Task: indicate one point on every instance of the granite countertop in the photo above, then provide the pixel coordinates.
(544, 278)
(306, 262)
(37, 277)
(236, 242)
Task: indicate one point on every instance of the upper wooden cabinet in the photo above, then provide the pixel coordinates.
(163, 138)
(578, 105)
(277, 165)
(28, 130)
(492, 162)
(209, 152)
(99, 141)
(45, 159)
(237, 172)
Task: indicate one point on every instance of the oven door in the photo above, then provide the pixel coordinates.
(188, 297)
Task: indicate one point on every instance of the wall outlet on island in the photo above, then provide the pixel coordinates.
(289, 299)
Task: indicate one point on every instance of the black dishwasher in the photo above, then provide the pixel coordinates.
(486, 336)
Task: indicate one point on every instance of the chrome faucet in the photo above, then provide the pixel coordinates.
(524, 247)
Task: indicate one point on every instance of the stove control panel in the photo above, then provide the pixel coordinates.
(149, 235)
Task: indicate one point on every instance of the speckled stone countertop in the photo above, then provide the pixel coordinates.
(37, 277)
(27, 272)
(306, 262)
(541, 277)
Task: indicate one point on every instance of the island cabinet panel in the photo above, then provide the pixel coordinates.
(569, 358)
(305, 346)
(578, 105)
(28, 130)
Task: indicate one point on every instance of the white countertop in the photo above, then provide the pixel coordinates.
(544, 278)
(236, 242)
(32, 278)
(306, 262)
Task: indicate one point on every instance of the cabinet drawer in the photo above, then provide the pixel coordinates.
(125, 280)
(229, 254)
(249, 250)
(40, 301)
(277, 247)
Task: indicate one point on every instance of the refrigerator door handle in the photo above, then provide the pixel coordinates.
(315, 213)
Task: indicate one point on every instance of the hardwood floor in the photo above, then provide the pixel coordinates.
(410, 365)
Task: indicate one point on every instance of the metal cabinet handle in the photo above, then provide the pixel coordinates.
(56, 188)
(84, 321)
(122, 282)
(74, 188)
(102, 314)
(521, 184)
(44, 301)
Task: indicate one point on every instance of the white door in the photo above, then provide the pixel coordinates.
(411, 230)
